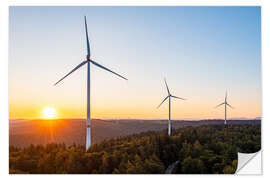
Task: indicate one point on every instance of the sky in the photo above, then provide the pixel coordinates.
(201, 51)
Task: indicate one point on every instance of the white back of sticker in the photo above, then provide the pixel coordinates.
(249, 163)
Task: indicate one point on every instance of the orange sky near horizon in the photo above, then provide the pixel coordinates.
(180, 110)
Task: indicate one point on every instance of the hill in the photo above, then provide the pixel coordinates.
(22, 133)
(205, 149)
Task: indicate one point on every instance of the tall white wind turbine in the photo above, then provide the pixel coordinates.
(169, 96)
(88, 61)
(225, 103)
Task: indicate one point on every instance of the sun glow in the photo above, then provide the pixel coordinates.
(49, 113)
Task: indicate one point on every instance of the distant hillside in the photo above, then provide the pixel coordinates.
(25, 132)
(206, 149)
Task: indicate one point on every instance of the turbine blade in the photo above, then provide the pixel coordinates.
(219, 105)
(95, 63)
(167, 86)
(87, 40)
(178, 97)
(230, 106)
(77, 67)
(162, 101)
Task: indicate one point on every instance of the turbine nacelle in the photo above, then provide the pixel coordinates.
(169, 95)
(225, 102)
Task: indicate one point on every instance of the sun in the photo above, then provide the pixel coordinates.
(49, 113)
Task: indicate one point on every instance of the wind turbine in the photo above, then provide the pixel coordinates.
(225, 103)
(88, 61)
(169, 96)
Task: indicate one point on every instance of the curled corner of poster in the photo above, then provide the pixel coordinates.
(249, 164)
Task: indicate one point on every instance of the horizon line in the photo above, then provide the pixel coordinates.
(146, 119)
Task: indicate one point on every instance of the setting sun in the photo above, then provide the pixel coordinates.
(49, 112)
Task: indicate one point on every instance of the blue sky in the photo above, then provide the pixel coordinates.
(202, 52)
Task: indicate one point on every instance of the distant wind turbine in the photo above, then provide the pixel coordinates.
(169, 96)
(225, 103)
(88, 61)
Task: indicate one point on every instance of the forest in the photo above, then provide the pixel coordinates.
(206, 149)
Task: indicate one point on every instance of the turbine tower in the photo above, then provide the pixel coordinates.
(88, 61)
(169, 96)
(225, 105)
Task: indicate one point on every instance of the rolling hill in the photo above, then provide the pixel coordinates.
(22, 133)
